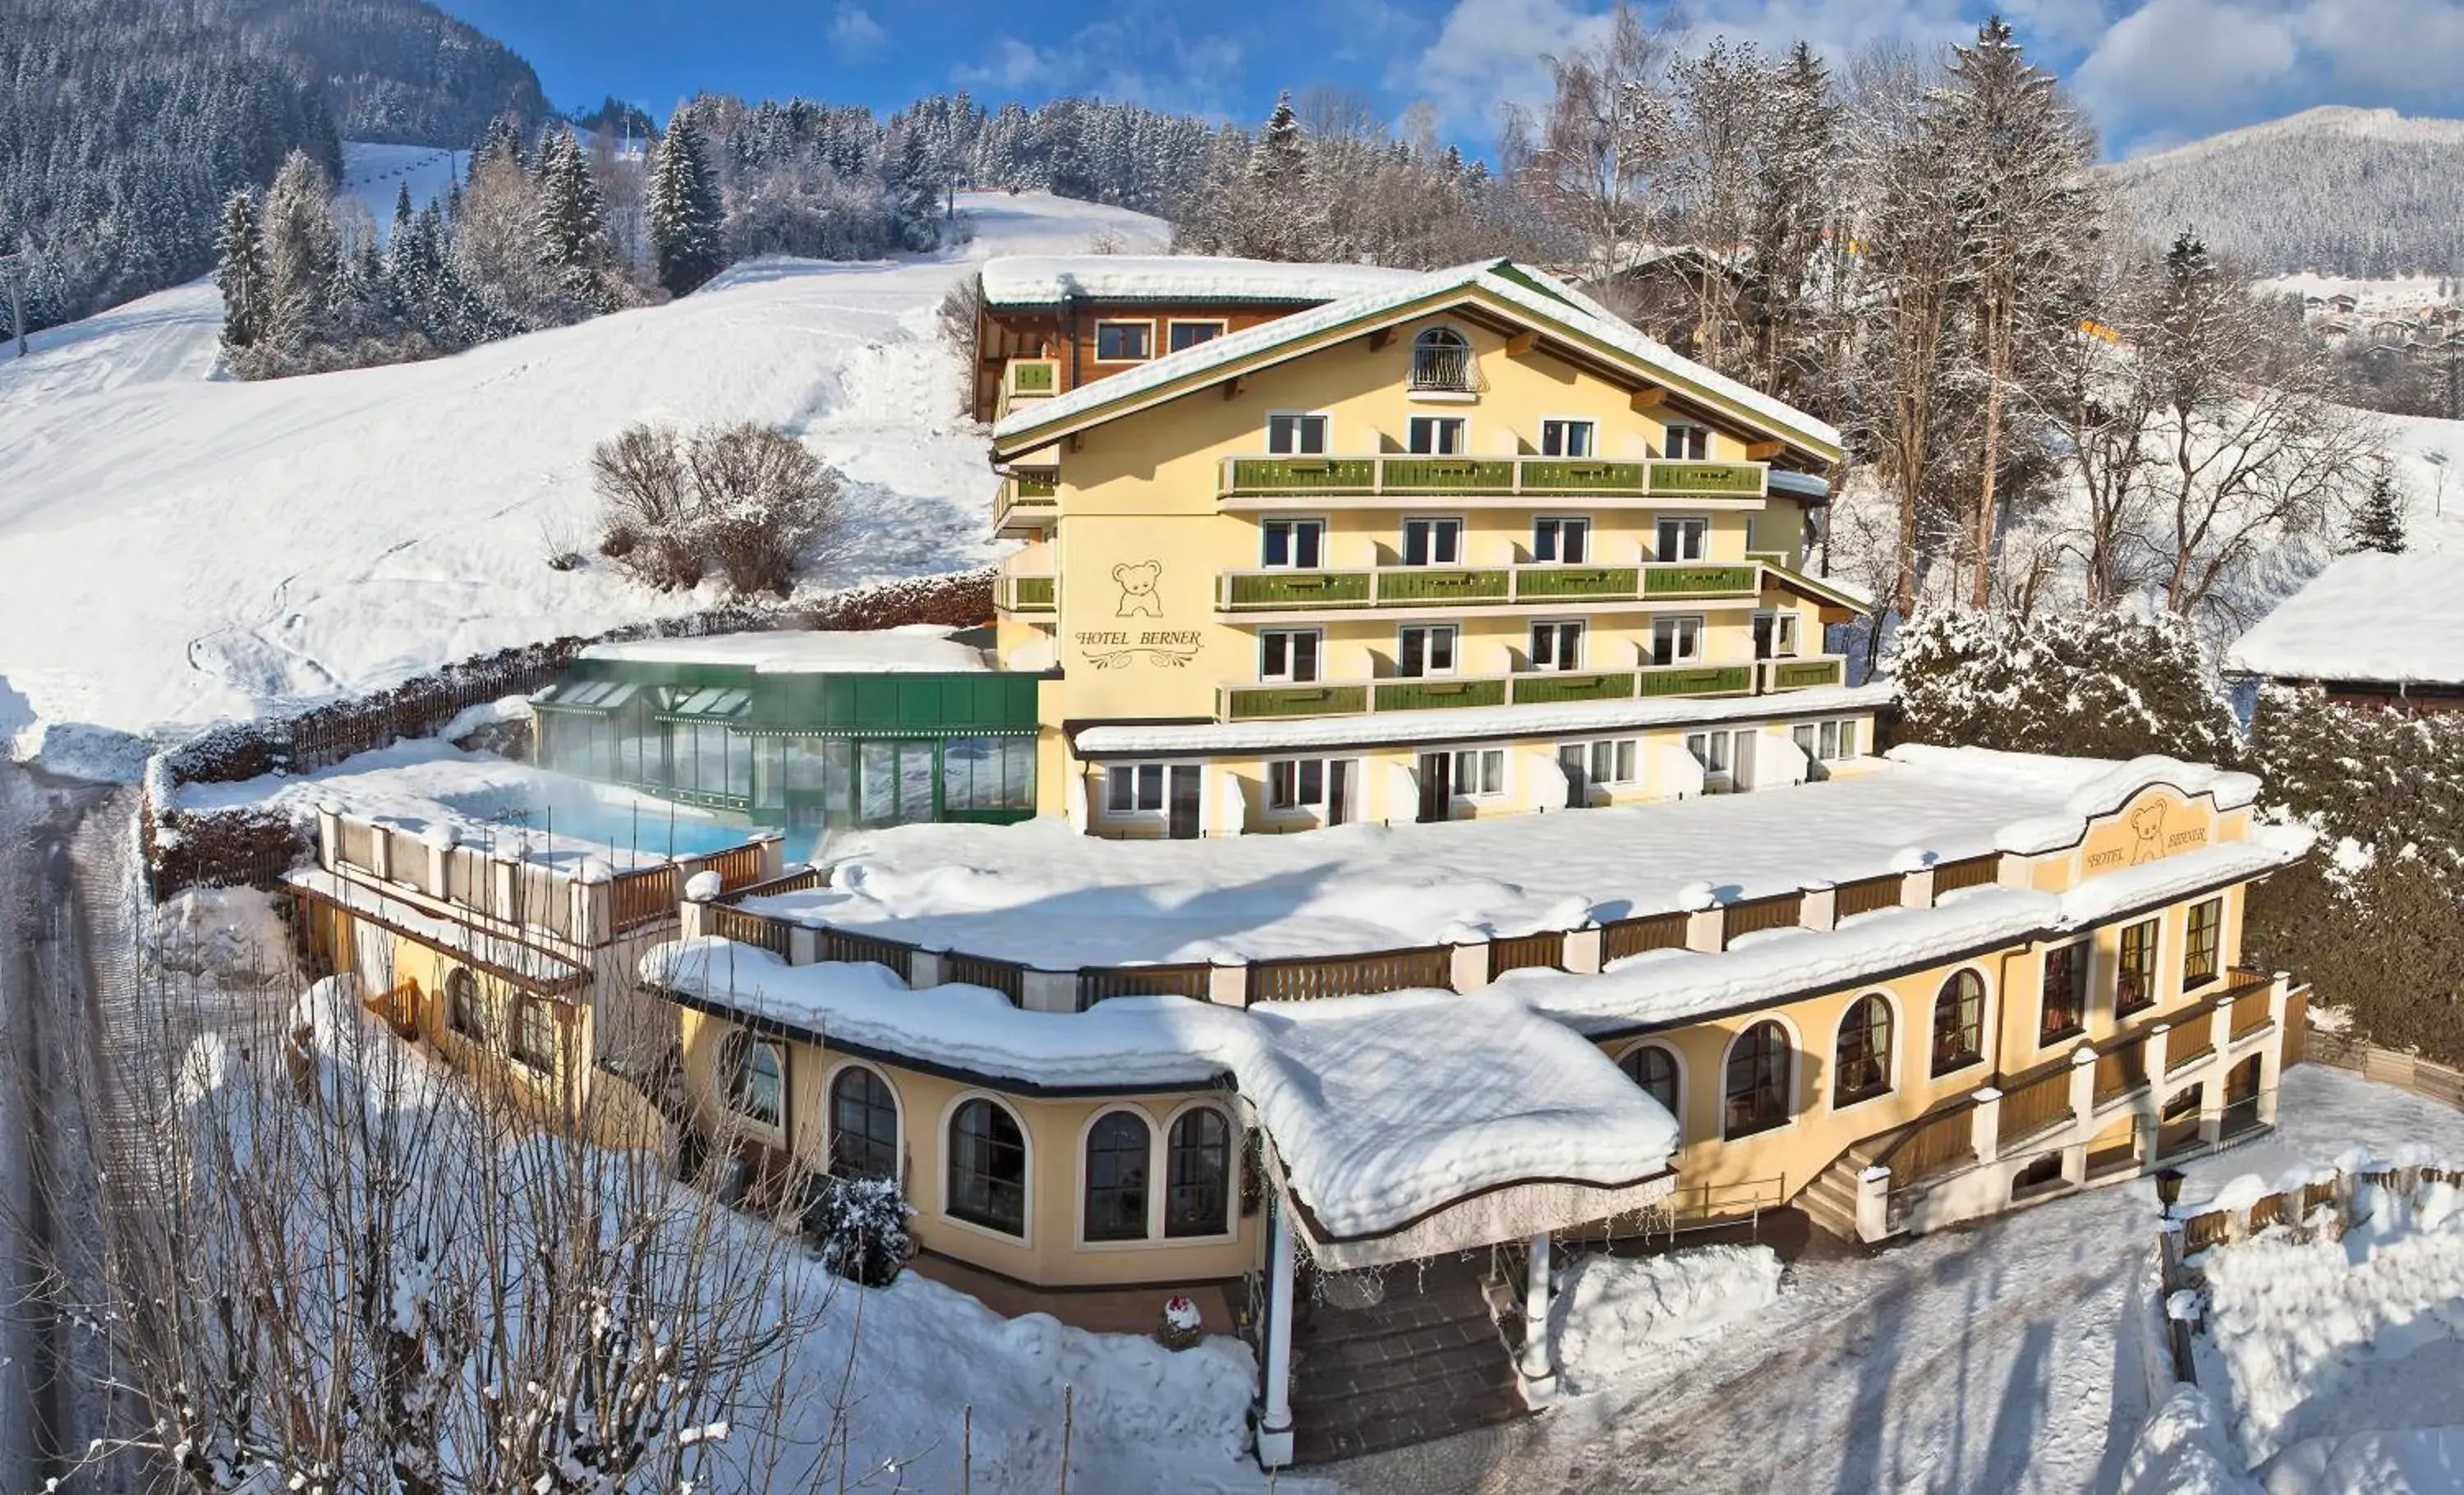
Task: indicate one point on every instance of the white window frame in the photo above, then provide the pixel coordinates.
(1290, 637)
(739, 1119)
(1697, 435)
(1138, 768)
(1299, 418)
(1700, 529)
(1726, 738)
(1677, 623)
(1453, 632)
(1173, 325)
(1483, 759)
(1785, 632)
(1295, 520)
(1557, 627)
(1145, 322)
(1557, 523)
(1298, 803)
(1435, 422)
(1403, 539)
(1561, 426)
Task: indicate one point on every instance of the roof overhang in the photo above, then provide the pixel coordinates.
(1512, 1212)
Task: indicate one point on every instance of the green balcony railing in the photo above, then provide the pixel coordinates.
(1033, 376)
(1030, 594)
(1684, 580)
(1303, 475)
(1036, 482)
(1426, 586)
(1718, 479)
(1799, 674)
(1697, 679)
(1252, 703)
(1435, 694)
(1580, 476)
(1447, 475)
(1256, 590)
(1414, 475)
(1545, 690)
(1548, 583)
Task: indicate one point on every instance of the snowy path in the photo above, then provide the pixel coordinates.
(1985, 1360)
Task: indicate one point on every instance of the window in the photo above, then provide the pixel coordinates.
(988, 774)
(1567, 541)
(464, 1012)
(1117, 1145)
(1757, 1088)
(1862, 1068)
(1296, 435)
(1680, 539)
(864, 1126)
(1959, 1022)
(1197, 1175)
(1287, 655)
(1129, 788)
(1610, 760)
(1298, 543)
(1774, 635)
(2064, 1011)
(2134, 974)
(1425, 648)
(1654, 1071)
(1480, 771)
(1190, 333)
(987, 1168)
(1124, 341)
(1825, 741)
(1675, 641)
(1556, 645)
(1436, 435)
(1687, 443)
(1296, 784)
(2199, 951)
(1441, 359)
(1566, 438)
(1713, 750)
(755, 1072)
(534, 1033)
(1431, 543)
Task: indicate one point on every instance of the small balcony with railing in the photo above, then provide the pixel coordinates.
(1397, 693)
(1268, 481)
(1028, 502)
(1503, 588)
(1027, 594)
(1024, 379)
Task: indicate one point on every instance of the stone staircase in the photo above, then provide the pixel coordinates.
(1425, 1361)
(1830, 1200)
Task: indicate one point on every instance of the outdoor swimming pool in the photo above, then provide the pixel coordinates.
(633, 826)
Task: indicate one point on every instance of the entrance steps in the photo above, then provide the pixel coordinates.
(1830, 1200)
(1424, 1361)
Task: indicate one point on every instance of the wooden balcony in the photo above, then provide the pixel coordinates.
(1028, 499)
(1802, 673)
(1438, 692)
(1029, 595)
(1374, 476)
(1477, 588)
(1031, 378)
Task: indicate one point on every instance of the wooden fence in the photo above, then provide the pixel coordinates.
(1312, 977)
(1935, 1145)
(748, 929)
(1975, 872)
(1005, 976)
(1102, 983)
(1623, 937)
(1866, 895)
(2039, 1104)
(1754, 916)
(840, 945)
(1544, 951)
(2423, 1077)
(643, 895)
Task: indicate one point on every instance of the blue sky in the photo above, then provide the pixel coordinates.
(2150, 72)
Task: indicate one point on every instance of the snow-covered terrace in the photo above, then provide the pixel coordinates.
(921, 647)
(1040, 894)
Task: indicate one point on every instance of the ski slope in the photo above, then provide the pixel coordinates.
(182, 548)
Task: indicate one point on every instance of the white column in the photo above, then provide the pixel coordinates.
(2082, 1113)
(1985, 1125)
(1874, 1203)
(1539, 1374)
(1275, 1426)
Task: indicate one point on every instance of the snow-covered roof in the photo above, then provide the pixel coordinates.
(1574, 312)
(1470, 723)
(917, 647)
(1045, 280)
(2366, 617)
(1382, 1108)
(1040, 894)
(526, 964)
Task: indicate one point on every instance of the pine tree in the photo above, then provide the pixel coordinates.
(572, 225)
(684, 208)
(303, 256)
(239, 254)
(2378, 518)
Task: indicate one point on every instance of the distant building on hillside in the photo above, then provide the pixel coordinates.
(2372, 629)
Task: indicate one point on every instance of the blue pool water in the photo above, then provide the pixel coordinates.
(577, 811)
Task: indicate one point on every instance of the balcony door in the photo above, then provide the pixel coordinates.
(1436, 787)
(1181, 814)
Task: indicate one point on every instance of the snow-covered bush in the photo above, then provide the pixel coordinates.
(745, 501)
(861, 1226)
(2104, 683)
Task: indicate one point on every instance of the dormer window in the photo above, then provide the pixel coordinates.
(1442, 360)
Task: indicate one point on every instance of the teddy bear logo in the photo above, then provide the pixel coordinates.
(1137, 580)
(2147, 823)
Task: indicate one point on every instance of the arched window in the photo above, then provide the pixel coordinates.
(1757, 1088)
(464, 1013)
(864, 1126)
(1862, 1064)
(756, 1074)
(1441, 359)
(1117, 1146)
(534, 1039)
(1655, 1069)
(1197, 1173)
(987, 1168)
(1959, 1022)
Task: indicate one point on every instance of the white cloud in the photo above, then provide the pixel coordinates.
(2183, 58)
(855, 37)
(1141, 59)
(1488, 53)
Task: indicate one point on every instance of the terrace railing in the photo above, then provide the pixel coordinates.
(1102, 983)
(1865, 895)
(1620, 938)
(1313, 977)
(1975, 872)
(1442, 692)
(1371, 476)
(1544, 951)
(645, 895)
(2039, 1104)
(1457, 588)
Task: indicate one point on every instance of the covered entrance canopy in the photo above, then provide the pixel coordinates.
(1412, 1123)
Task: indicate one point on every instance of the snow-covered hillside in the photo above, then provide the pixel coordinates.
(374, 176)
(182, 548)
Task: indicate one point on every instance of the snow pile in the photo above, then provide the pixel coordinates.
(2183, 1450)
(229, 936)
(917, 647)
(1611, 1311)
(2363, 619)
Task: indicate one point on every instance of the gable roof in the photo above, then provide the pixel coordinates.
(1038, 280)
(2367, 617)
(1529, 296)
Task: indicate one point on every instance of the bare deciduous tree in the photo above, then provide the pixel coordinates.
(745, 499)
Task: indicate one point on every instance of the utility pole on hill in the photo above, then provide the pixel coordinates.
(13, 269)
